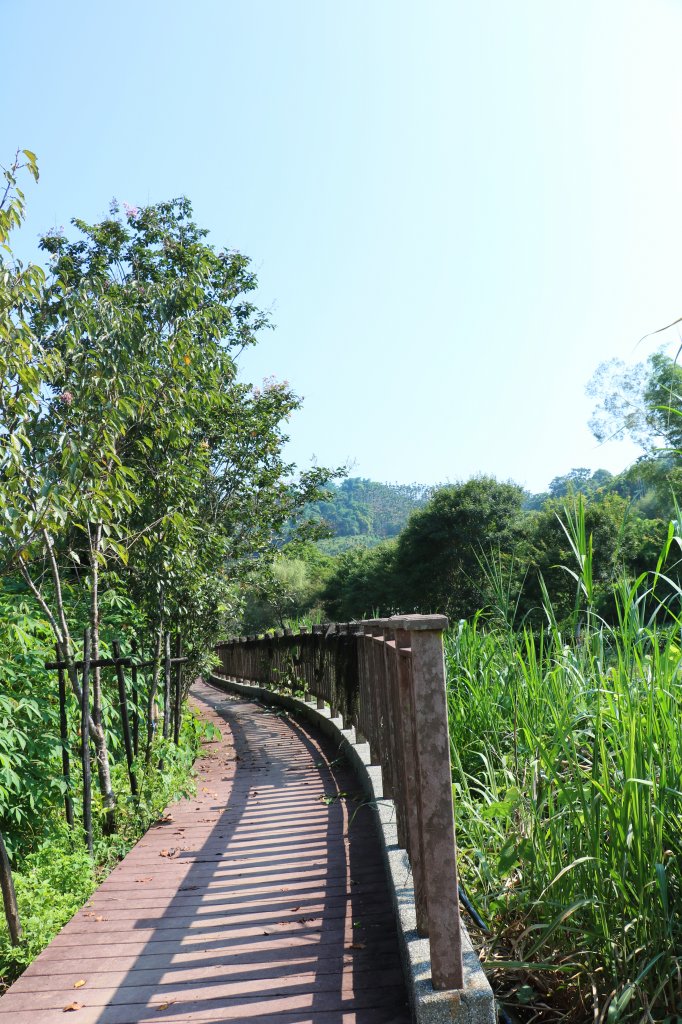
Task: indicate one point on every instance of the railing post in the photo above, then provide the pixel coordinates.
(437, 813)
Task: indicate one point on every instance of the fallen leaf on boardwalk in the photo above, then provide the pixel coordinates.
(294, 909)
(169, 853)
(164, 818)
(150, 879)
(164, 1006)
(73, 1006)
(267, 933)
(79, 984)
(98, 917)
(357, 945)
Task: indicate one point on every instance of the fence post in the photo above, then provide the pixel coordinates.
(136, 709)
(178, 690)
(125, 723)
(64, 735)
(166, 686)
(85, 737)
(9, 898)
(437, 816)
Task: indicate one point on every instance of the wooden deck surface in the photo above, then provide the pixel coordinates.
(262, 899)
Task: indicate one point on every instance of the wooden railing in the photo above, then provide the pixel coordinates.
(386, 678)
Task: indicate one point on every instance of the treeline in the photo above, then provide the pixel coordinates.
(486, 544)
(474, 547)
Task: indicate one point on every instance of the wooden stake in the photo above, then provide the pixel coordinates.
(64, 736)
(125, 723)
(166, 687)
(136, 705)
(178, 690)
(9, 898)
(85, 737)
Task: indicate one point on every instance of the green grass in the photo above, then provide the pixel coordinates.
(568, 794)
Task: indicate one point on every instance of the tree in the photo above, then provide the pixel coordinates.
(288, 590)
(643, 401)
(438, 560)
(363, 583)
(147, 465)
(621, 542)
(579, 481)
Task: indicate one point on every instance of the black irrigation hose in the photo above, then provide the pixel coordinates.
(502, 1014)
(471, 911)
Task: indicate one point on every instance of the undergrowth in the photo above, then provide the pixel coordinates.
(56, 878)
(567, 749)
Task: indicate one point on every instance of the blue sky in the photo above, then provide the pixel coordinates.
(456, 210)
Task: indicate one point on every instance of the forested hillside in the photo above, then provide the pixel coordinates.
(361, 512)
(485, 544)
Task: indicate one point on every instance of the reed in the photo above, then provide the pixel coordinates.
(567, 753)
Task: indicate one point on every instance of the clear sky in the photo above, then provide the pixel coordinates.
(456, 209)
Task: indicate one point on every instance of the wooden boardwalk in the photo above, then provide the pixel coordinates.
(262, 899)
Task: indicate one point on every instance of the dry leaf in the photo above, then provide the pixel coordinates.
(73, 1006)
(98, 917)
(357, 945)
(164, 1006)
(149, 879)
(79, 984)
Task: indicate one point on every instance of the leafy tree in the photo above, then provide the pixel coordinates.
(643, 401)
(620, 541)
(363, 583)
(147, 466)
(289, 590)
(579, 481)
(438, 559)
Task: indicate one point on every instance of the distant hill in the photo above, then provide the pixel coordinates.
(367, 510)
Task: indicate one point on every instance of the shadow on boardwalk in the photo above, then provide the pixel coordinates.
(258, 900)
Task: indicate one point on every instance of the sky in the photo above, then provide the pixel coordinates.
(455, 210)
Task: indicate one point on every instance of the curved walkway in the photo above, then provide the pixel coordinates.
(262, 899)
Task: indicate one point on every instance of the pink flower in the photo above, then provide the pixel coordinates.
(66, 397)
(131, 211)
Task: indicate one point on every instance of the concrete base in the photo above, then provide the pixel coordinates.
(473, 1004)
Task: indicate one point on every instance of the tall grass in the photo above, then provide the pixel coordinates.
(567, 746)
